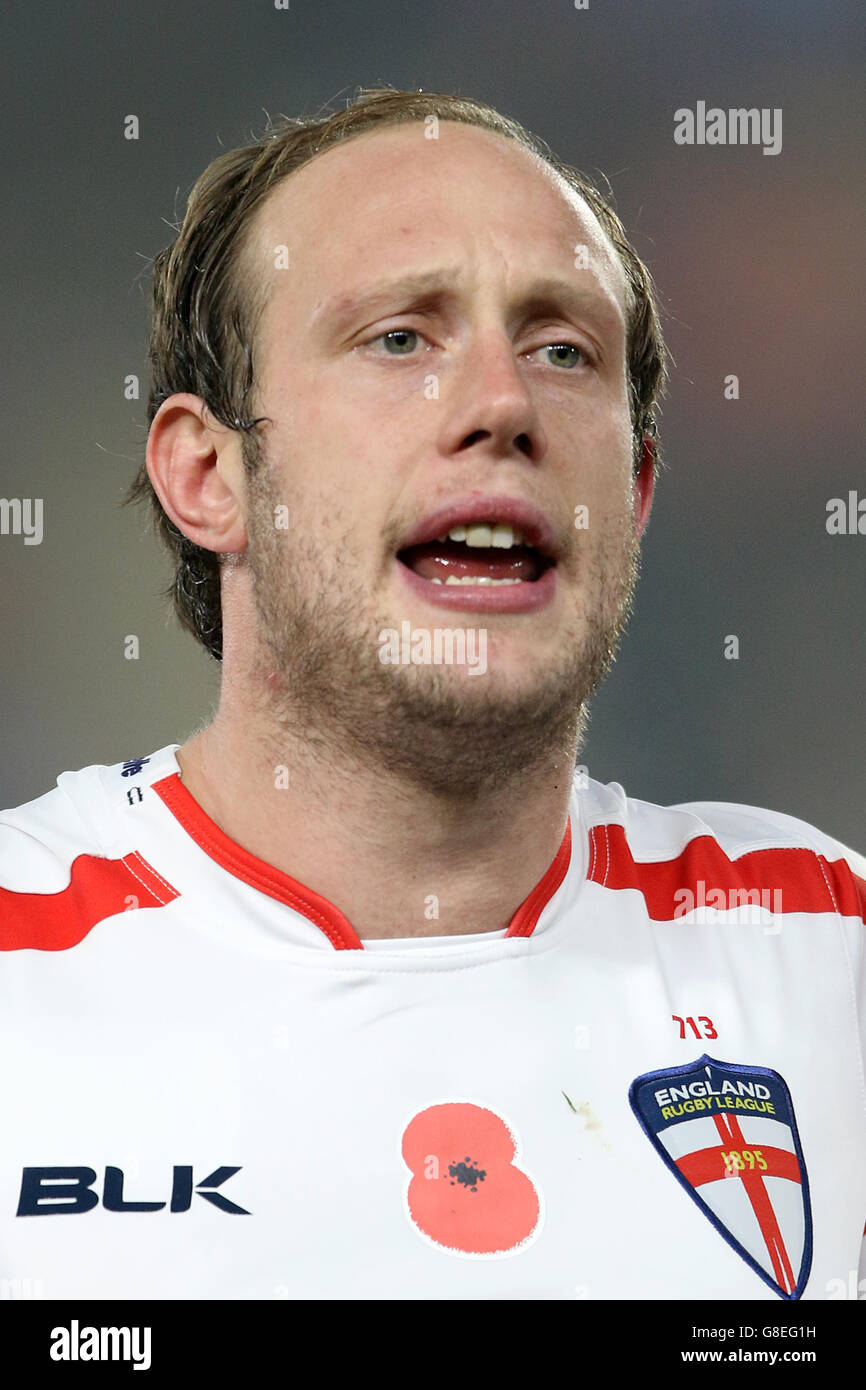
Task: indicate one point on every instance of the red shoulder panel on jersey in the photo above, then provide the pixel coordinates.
(98, 888)
(801, 880)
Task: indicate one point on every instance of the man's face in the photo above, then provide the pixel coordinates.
(493, 392)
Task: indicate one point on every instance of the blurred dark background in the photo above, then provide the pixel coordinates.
(758, 259)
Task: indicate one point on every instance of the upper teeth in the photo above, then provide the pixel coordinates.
(501, 537)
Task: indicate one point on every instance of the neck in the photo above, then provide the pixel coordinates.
(396, 859)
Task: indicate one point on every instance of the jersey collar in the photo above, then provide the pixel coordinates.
(323, 914)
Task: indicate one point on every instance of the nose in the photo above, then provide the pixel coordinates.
(489, 404)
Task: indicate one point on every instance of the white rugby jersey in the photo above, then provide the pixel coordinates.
(650, 1085)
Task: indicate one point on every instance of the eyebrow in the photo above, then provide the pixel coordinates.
(547, 295)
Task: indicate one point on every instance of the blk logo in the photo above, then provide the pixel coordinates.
(70, 1191)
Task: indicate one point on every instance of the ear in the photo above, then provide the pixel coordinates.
(643, 485)
(197, 473)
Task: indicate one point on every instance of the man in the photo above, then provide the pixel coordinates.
(363, 992)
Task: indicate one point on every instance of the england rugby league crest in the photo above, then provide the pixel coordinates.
(728, 1134)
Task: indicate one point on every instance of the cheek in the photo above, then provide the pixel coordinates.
(599, 489)
(344, 438)
(317, 417)
(603, 509)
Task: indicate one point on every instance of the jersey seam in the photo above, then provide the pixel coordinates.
(833, 900)
(332, 963)
(149, 887)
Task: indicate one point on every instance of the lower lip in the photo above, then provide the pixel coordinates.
(484, 598)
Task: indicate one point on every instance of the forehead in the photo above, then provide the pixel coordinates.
(392, 199)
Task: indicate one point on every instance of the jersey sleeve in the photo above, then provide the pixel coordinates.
(843, 871)
(58, 881)
(846, 872)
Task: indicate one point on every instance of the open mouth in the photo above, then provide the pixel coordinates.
(494, 554)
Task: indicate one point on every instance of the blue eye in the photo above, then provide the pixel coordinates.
(564, 347)
(396, 337)
(402, 342)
